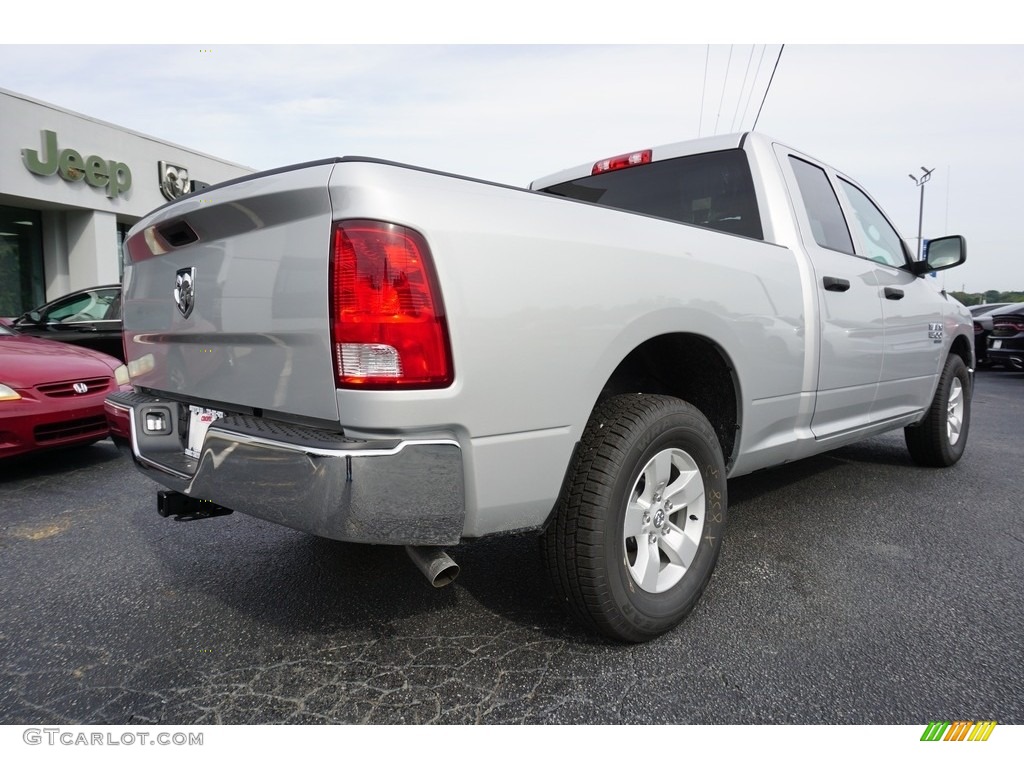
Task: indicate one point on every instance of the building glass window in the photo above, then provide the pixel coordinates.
(22, 286)
(122, 236)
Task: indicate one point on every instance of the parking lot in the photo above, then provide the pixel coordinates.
(853, 588)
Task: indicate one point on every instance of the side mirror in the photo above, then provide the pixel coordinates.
(32, 317)
(942, 253)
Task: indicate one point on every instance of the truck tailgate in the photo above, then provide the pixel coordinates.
(226, 296)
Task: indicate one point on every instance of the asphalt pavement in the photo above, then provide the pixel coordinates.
(853, 588)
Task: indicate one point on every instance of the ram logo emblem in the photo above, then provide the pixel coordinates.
(184, 290)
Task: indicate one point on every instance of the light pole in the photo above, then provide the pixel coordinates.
(920, 216)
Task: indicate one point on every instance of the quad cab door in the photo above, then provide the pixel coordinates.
(911, 306)
(851, 325)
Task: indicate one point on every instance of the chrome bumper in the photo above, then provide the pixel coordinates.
(401, 491)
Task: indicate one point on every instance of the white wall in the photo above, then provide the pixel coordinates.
(91, 233)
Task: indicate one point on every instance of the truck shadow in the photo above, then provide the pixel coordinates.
(885, 451)
(303, 584)
(295, 584)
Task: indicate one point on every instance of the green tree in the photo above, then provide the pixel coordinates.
(967, 299)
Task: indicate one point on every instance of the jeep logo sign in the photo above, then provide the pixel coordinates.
(69, 165)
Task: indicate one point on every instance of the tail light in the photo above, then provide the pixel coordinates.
(1007, 327)
(144, 245)
(388, 326)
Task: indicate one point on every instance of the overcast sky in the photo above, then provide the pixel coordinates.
(513, 112)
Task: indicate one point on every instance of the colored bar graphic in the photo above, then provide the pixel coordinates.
(982, 730)
(935, 730)
(958, 730)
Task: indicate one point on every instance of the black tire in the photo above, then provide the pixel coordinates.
(607, 578)
(940, 438)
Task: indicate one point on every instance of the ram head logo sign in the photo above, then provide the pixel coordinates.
(184, 290)
(174, 180)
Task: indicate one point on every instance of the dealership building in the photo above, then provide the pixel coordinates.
(71, 187)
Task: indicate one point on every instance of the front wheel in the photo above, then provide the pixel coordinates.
(639, 526)
(941, 436)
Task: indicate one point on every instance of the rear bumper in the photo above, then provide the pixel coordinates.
(1012, 358)
(397, 491)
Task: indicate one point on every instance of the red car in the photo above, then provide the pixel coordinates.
(51, 394)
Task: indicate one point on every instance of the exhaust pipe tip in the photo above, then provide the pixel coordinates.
(435, 564)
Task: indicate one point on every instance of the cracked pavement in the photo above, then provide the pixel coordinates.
(852, 588)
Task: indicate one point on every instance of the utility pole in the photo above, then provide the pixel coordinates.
(920, 215)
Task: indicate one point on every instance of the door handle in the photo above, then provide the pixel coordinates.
(893, 293)
(835, 284)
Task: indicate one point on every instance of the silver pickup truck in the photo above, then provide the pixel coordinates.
(377, 353)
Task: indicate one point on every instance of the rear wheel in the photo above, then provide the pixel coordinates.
(639, 526)
(940, 438)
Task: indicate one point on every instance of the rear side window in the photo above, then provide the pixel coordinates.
(826, 217)
(713, 190)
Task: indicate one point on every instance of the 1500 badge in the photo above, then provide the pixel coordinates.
(935, 332)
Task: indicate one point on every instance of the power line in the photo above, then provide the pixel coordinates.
(770, 79)
(750, 93)
(700, 120)
(728, 65)
(743, 85)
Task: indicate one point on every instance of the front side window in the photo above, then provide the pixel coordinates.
(828, 225)
(881, 240)
(713, 190)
